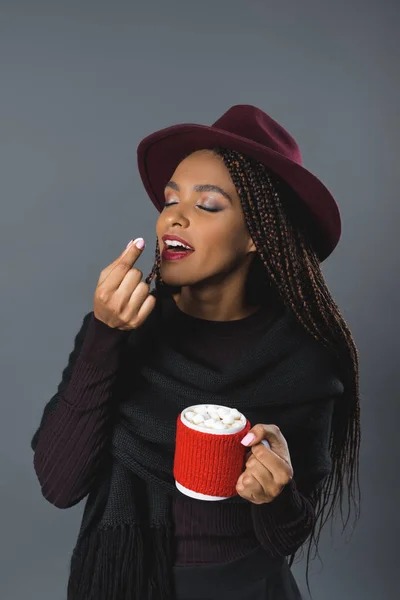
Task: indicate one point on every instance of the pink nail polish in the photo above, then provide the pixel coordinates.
(248, 439)
(139, 243)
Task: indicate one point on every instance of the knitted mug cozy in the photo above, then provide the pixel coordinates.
(208, 462)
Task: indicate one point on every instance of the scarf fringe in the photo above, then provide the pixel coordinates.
(109, 564)
(161, 581)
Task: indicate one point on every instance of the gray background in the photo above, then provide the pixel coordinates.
(81, 84)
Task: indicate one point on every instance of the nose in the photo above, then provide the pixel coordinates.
(175, 216)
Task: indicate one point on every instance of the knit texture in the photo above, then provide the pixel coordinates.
(74, 439)
(208, 463)
(288, 380)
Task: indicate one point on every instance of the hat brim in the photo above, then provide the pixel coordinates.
(159, 154)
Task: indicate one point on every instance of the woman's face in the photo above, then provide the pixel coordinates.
(203, 208)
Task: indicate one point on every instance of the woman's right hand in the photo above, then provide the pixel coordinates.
(121, 299)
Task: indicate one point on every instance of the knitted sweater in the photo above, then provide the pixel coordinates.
(73, 441)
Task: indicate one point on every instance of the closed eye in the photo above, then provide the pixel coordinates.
(198, 206)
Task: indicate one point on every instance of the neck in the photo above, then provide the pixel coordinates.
(213, 307)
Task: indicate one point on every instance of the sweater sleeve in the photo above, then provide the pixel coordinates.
(283, 525)
(74, 429)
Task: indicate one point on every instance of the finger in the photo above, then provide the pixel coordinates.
(268, 458)
(248, 454)
(260, 483)
(270, 432)
(131, 281)
(135, 295)
(131, 294)
(144, 311)
(270, 486)
(278, 465)
(116, 271)
(272, 439)
(250, 488)
(258, 469)
(130, 254)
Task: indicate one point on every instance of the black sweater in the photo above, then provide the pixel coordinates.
(74, 438)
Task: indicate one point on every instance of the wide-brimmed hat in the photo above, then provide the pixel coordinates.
(252, 132)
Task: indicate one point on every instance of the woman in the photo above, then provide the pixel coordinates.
(240, 317)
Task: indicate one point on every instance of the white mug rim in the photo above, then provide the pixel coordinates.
(195, 427)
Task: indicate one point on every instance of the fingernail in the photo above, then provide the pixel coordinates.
(248, 439)
(139, 243)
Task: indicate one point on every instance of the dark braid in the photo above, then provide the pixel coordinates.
(281, 232)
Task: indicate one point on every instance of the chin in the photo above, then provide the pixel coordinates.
(178, 280)
(175, 281)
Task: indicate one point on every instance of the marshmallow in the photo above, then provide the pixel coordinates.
(228, 419)
(198, 418)
(222, 412)
(214, 417)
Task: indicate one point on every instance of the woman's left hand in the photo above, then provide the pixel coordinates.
(268, 470)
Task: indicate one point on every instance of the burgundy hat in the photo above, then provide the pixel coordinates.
(248, 130)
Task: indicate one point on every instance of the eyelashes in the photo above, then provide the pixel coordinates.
(198, 206)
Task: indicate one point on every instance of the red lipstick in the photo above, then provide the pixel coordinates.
(174, 255)
(178, 254)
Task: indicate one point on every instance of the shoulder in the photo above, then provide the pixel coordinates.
(316, 360)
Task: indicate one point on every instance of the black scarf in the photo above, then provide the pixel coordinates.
(125, 548)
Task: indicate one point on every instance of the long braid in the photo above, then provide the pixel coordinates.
(280, 231)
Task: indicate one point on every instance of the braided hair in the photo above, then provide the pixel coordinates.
(287, 261)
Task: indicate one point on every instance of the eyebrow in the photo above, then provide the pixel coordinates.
(204, 187)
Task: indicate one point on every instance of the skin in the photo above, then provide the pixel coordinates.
(212, 279)
(212, 286)
(268, 470)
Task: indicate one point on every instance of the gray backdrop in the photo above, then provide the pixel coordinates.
(81, 83)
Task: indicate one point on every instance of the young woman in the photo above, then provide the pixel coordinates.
(241, 316)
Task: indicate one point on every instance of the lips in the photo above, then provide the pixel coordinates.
(177, 239)
(175, 254)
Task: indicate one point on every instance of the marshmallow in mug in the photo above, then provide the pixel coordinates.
(214, 418)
